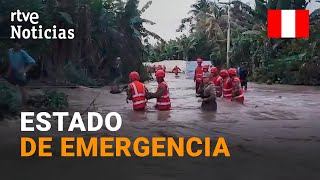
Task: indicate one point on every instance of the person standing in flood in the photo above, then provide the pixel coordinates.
(198, 74)
(208, 94)
(116, 72)
(19, 65)
(137, 92)
(243, 74)
(237, 94)
(206, 68)
(217, 81)
(227, 85)
(162, 95)
(176, 70)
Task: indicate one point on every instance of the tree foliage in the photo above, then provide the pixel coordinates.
(104, 30)
(291, 61)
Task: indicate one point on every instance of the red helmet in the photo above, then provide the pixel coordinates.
(224, 73)
(206, 67)
(134, 76)
(199, 61)
(214, 70)
(232, 72)
(160, 74)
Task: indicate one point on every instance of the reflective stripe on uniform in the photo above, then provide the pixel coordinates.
(165, 99)
(240, 96)
(136, 94)
(163, 103)
(140, 102)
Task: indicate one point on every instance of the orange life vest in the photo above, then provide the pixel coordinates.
(227, 88)
(199, 74)
(240, 97)
(217, 83)
(138, 91)
(164, 103)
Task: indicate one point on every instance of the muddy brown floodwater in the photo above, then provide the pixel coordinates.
(275, 135)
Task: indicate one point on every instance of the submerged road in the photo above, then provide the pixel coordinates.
(275, 135)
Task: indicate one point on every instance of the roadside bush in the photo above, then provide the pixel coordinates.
(50, 101)
(3, 65)
(57, 101)
(144, 75)
(9, 101)
(309, 73)
(77, 75)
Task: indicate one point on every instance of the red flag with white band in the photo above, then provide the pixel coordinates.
(288, 23)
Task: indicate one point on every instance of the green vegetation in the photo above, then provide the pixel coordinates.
(104, 30)
(107, 29)
(78, 75)
(289, 61)
(9, 101)
(56, 101)
(50, 101)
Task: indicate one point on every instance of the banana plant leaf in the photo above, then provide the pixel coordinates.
(67, 17)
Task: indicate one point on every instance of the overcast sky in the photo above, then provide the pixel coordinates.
(167, 15)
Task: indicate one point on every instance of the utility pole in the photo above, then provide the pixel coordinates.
(228, 33)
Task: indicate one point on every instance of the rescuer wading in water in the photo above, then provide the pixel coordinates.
(176, 70)
(217, 81)
(237, 93)
(227, 86)
(198, 74)
(208, 95)
(137, 92)
(162, 94)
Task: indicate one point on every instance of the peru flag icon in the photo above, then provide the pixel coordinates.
(288, 23)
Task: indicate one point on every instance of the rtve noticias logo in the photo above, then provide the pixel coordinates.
(288, 23)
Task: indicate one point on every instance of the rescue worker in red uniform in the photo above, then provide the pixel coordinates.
(162, 94)
(154, 67)
(176, 70)
(217, 81)
(207, 93)
(206, 69)
(237, 93)
(198, 75)
(159, 68)
(137, 92)
(227, 85)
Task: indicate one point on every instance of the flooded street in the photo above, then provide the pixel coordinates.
(275, 135)
(271, 114)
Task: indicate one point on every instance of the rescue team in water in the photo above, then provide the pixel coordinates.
(210, 84)
(227, 82)
(154, 68)
(138, 93)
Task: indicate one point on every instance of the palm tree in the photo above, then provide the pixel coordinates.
(209, 22)
(199, 7)
(262, 6)
(186, 44)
